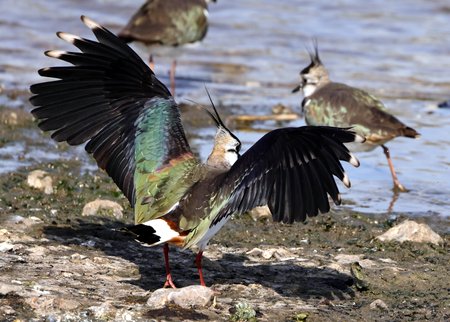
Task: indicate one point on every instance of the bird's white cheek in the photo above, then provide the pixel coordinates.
(231, 157)
(308, 90)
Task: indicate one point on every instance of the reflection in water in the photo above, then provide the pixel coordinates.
(251, 59)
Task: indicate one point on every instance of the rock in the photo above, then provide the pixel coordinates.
(65, 304)
(9, 288)
(378, 304)
(159, 298)
(186, 297)
(104, 311)
(5, 247)
(260, 213)
(77, 257)
(6, 309)
(277, 253)
(40, 180)
(411, 231)
(94, 207)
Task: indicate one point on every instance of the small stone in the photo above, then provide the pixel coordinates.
(5, 247)
(88, 243)
(192, 296)
(40, 180)
(94, 207)
(347, 258)
(77, 257)
(103, 311)
(124, 315)
(7, 310)
(9, 288)
(37, 251)
(66, 304)
(159, 298)
(411, 231)
(259, 213)
(186, 297)
(378, 305)
(277, 253)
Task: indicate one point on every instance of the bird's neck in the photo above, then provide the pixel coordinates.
(221, 160)
(311, 88)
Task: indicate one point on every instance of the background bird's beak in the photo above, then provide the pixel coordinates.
(297, 88)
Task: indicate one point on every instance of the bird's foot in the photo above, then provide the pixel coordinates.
(398, 187)
(169, 282)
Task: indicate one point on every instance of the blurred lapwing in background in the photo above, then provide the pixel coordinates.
(168, 23)
(335, 104)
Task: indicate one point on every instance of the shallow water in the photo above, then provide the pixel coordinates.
(250, 59)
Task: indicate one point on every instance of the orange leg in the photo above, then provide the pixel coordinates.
(198, 262)
(172, 77)
(397, 185)
(169, 281)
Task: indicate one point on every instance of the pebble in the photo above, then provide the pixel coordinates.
(103, 311)
(378, 304)
(40, 180)
(5, 247)
(9, 288)
(411, 231)
(186, 297)
(92, 208)
(7, 309)
(260, 213)
(277, 253)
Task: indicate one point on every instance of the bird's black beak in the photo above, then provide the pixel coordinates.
(297, 88)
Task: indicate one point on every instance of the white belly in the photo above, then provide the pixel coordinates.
(211, 232)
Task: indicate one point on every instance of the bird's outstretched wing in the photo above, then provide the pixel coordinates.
(291, 170)
(111, 99)
(337, 104)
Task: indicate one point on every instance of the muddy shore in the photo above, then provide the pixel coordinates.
(56, 265)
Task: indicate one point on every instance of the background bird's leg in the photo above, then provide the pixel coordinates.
(198, 262)
(151, 63)
(397, 185)
(169, 281)
(172, 76)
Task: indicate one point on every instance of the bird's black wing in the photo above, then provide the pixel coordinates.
(291, 170)
(111, 99)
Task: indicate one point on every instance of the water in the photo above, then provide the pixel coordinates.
(250, 59)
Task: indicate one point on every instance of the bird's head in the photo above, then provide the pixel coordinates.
(314, 75)
(226, 145)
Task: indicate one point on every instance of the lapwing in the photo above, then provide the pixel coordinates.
(112, 101)
(335, 104)
(168, 23)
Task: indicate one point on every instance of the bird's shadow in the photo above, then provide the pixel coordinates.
(286, 278)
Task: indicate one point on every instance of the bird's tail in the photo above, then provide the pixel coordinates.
(410, 132)
(157, 231)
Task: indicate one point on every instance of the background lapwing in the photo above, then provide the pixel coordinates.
(336, 104)
(112, 100)
(168, 23)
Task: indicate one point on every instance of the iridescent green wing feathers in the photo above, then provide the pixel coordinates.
(110, 99)
(340, 105)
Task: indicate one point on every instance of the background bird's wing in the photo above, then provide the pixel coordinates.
(112, 100)
(340, 105)
(290, 170)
